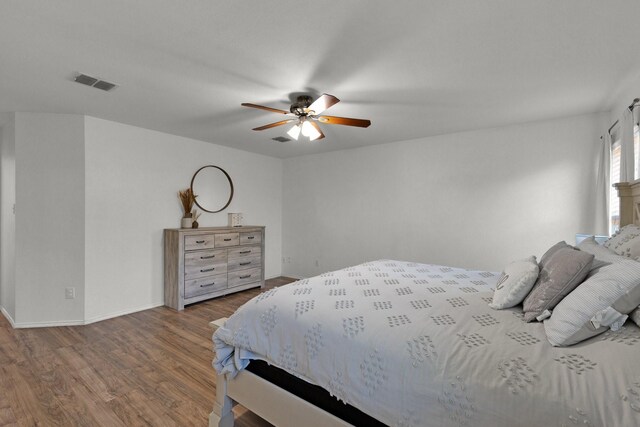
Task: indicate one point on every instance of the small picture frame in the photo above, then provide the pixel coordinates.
(235, 219)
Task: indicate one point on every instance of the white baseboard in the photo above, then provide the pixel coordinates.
(48, 324)
(21, 325)
(122, 313)
(8, 316)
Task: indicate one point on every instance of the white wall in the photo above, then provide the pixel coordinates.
(7, 218)
(132, 177)
(49, 245)
(477, 199)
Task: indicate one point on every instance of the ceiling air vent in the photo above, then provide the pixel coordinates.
(93, 82)
(281, 139)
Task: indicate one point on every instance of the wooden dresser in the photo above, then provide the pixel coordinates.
(209, 262)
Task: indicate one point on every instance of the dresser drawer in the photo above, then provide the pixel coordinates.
(227, 239)
(244, 263)
(251, 238)
(204, 285)
(242, 277)
(205, 263)
(202, 241)
(245, 251)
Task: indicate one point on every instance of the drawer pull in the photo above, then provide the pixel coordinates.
(245, 277)
(199, 241)
(207, 257)
(245, 263)
(251, 237)
(208, 284)
(207, 269)
(227, 240)
(245, 252)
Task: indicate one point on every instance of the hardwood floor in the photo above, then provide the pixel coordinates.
(151, 368)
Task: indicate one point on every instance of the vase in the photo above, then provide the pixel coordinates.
(195, 224)
(186, 222)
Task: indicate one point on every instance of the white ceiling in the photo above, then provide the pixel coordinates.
(414, 68)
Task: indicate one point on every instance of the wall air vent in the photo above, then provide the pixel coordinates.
(281, 139)
(94, 82)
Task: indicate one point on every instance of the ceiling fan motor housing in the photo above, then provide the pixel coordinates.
(299, 108)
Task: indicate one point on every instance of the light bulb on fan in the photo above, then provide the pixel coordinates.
(310, 131)
(294, 132)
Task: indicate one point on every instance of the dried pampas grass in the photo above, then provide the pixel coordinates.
(187, 198)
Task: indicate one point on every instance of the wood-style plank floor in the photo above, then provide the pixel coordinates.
(151, 368)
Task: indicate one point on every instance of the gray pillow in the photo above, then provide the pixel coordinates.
(560, 274)
(552, 250)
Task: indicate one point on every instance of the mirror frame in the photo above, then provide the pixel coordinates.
(230, 185)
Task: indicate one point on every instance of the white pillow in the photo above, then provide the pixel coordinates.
(625, 242)
(601, 302)
(514, 284)
(590, 245)
(603, 256)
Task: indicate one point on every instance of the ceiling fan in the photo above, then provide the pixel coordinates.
(307, 113)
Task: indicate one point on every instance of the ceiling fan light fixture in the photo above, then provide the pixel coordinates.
(294, 132)
(309, 131)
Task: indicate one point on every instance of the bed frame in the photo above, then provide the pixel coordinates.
(268, 401)
(283, 409)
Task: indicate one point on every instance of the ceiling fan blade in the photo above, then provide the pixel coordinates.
(262, 107)
(315, 125)
(322, 103)
(272, 125)
(332, 120)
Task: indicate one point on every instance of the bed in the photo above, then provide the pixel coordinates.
(411, 344)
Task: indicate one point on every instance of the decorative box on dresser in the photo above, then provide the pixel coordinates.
(205, 263)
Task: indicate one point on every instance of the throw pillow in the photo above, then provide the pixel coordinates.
(552, 250)
(603, 256)
(601, 302)
(564, 270)
(514, 284)
(625, 242)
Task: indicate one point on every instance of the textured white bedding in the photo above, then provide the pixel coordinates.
(417, 345)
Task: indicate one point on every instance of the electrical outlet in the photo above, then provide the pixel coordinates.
(69, 293)
(317, 263)
(288, 260)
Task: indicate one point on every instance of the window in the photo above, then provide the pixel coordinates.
(636, 151)
(614, 206)
(616, 154)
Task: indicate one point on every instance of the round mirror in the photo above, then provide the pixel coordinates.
(214, 188)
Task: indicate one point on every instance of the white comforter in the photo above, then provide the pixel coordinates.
(417, 345)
